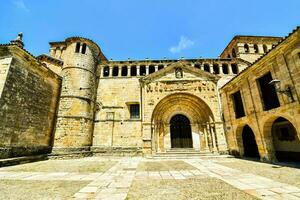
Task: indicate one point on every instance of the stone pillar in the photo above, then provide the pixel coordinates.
(120, 71)
(156, 68)
(206, 148)
(128, 70)
(211, 68)
(147, 70)
(229, 69)
(221, 69)
(110, 71)
(137, 70)
(212, 129)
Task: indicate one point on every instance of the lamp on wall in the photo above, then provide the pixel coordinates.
(287, 91)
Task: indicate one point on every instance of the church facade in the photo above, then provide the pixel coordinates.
(85, 103)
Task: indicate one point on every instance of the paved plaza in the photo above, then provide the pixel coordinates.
(118, 178)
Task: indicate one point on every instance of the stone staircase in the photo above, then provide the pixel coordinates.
(185, 153)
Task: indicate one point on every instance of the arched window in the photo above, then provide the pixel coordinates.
(234, 68)
(77, 48)
(160, 67)
(106, 71)
(228, 56)
(142, 70)
(83, 50)
(265, 48)
(124, 71)
(246, 48)
(133, 71)
(255, 48)
(206, 67)
(151, 69)
(115, 71)
(197, 66)
(233, 53)
(225, 68)
(216, 69)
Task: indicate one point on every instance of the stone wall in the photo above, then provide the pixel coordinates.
(28, 104)
(283, 62)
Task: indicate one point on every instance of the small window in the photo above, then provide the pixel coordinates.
(133, 71)
(228, 56)
(160, 67)
(225, 68)
(77, 48)
(83, 50)
(233, 53)
(116, 71)
(197, 66)
(246, 48)
(206, 67)
(255, 48)
(124, 71)
(134, 111)
(151, 69)
(265, 48)
(268, 92)
(234, 68)
(106, 71)
(142, 70)
(216, 69)
(238, 105)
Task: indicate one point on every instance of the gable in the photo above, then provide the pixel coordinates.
(180, 72)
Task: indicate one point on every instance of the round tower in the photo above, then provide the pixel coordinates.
(75, 116)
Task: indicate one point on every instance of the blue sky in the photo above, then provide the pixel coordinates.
(139, 29)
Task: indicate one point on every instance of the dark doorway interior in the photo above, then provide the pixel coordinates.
(181, 132)
(250, 146)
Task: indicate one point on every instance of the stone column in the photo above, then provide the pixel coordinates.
(211, 68)
(229, 69)
(147, 70)
(120, 71)
(206, 139)
(110, 71)
(221, 69)
(213, 139)
(137, 70)
(128, 70)
(156, 68)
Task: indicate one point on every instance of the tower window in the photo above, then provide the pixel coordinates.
(134, 111)
(206, 67)
(234, 68)
(83, 50)
(142, 70)
(77, 48)
(124, 71)
(225, 68)
(116, 71)
(265, 48)
(160, 67)
(133, 71)
(268, 92)
(238, 105)
(106, 71)
(255, 48)
(246, 48)
(151, 69)
(216, 69)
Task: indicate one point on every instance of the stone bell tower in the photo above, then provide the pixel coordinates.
(75, 118)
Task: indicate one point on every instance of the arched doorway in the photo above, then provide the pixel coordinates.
(249, 143)
(285, 140)
(181, 133)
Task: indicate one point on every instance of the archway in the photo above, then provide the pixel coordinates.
(285, 140)
(181, 132)
(198, 114)
(249, 143)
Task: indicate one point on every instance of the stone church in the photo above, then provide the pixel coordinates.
(76, 101)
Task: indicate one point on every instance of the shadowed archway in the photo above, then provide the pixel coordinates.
(249, 143)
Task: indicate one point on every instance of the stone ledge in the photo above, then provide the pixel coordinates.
(21, 160)
(117, 151)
